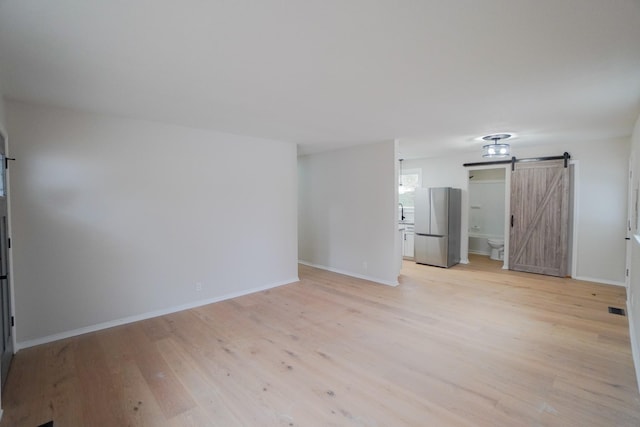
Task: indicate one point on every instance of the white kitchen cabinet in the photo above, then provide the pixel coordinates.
(407, 244)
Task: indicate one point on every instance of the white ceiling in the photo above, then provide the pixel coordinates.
(332, 73)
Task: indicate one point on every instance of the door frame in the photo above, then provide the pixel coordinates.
(631, 223)
(7, 184)
(574, 188)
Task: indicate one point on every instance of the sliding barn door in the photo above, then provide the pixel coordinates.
(540, 218)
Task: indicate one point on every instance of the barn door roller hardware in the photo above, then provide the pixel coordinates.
(566, 156)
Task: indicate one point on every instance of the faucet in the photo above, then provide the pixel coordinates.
(401, 211)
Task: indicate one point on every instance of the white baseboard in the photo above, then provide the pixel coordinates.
(464, 261)
(148, 315)
(635, 351)
(479, 252)
(603, 281)
(349, 273)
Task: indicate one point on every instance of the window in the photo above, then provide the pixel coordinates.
(410, 179)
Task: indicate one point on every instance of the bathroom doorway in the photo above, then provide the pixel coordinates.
(487, 213)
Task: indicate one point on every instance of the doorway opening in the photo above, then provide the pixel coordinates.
(488, 208)
(410, 180)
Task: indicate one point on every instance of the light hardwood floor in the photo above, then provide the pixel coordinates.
(469, 346)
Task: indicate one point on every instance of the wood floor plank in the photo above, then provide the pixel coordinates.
(139, 404)
(217, 355)
(28, 385)
(473, 345)
(60, 366)
(203, 388)
(172, 397)
(101, 394)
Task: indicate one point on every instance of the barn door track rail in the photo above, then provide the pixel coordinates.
(566, 156)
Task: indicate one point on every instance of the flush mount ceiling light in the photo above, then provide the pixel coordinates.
(495, 149)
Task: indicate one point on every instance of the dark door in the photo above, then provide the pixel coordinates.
(5, 295)
(540, 218)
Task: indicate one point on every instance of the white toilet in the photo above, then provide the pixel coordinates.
(497, 249)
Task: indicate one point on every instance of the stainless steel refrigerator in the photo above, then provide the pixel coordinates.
(437, 226)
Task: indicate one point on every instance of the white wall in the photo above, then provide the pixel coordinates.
(3, 127)
(486, 208)
(116, 218)
(602, 193)
(347, 211)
